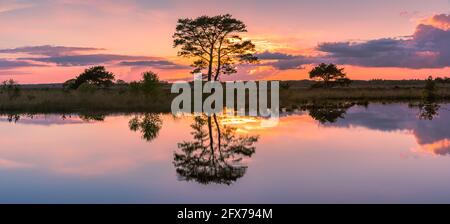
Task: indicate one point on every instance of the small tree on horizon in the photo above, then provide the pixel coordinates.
(97, 76)
(430, 89)
(328, 73)
(11, 87)
(214, 43)
(150, 83)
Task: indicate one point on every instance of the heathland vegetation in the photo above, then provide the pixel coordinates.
(151, 95)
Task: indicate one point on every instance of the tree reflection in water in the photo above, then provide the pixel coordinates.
(428, 110)
(216, 154)
(13, 118)
(92, 117)
(148, 124)
(328, 112)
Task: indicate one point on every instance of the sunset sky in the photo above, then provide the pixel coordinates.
(50, 41)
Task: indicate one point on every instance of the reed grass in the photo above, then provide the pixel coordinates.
(122, 100)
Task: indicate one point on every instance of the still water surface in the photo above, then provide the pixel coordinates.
(374, 154)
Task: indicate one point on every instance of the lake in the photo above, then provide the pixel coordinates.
(392, 153)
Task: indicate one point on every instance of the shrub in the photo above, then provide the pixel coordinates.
(430, 89)
(149, 84)
(345, 82)
(134, 87)
(87, 88)
(285, 85)
(11, 87)
(120, 82)
(69, 84)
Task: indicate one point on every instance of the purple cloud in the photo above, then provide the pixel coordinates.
(85, 60)
(284, 61)
(76, 56)
(48, 50)
(6, 64)
(163, 64)
(295, 63)
(267, 55)
(427, 48)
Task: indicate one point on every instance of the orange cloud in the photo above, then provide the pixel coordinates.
(441, 21)
(441, 147)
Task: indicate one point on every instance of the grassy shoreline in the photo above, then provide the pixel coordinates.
(57, 100)
(361, 94)
(123, 100)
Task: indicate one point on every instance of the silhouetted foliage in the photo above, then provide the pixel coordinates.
(10, 87)
(13, 118)
(120, 82)
(87, 88)
(430, 89)
(344, 82)
(330, 74)
(285, 85)
(148, 124)
(97, 76)
(150, 83)
(88, 117)
(214, 43)
(69, 84)
(208, 161)
(429, 110)
(444, 80)
(135, 87)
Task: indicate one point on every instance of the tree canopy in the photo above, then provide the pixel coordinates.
(97, 76)
(329, 73)
(214, 43)
(150, 81)
(148, 124)
(329, 112)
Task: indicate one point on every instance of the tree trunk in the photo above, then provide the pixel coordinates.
(219, 136)
(216, 78)
(211, 138)
(326, 81)
(211, 61)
